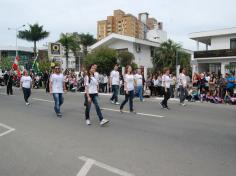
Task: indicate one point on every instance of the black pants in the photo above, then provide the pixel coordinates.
(166, 97)
(27, 93)
(9, 89)
(128, 97)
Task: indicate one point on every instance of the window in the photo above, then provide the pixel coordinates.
(233, 43)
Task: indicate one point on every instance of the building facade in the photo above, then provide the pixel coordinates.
(26, 55)
(219, 55)
(127, 24)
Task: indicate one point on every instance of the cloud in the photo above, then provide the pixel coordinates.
(180, 17)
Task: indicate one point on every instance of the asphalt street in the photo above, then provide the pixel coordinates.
(196, 140)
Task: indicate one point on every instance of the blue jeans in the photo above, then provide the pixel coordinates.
(115, 90)
(58, 98)
(94, 99)
(140, 92)
(130, 97)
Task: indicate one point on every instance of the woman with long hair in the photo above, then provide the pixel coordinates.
(91, 89)
(166, 87)
(129, 84)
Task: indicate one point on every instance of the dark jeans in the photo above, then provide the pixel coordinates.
(166, 97)
(9, 89)
(26, 92)
(130, 97)
(94, 99)
(172, 91)
(183, 93)
(58, 98)
(115, 90)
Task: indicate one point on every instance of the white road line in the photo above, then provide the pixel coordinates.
(6, 94)
(106, 167)
(85, 169)
(38, 99)
(9, 129)
(142, 114)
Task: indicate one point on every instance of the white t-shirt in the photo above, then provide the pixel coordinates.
(182, 80)
(166, 81)
(96, 76)
(129, 79)
(92, 85)
(155, 82)
(139, 79)
(57, 81)
(26, 81)
(105, 79)
(115, 77)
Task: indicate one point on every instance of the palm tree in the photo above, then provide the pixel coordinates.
(165, 55)
(34, 34)
(67, 40)
(86, 40)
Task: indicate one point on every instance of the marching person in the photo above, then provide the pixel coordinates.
(139, 80)
(9, 78)
(91, 89)
(166, 88)
(129, 84)
(114, 84)
(57, 88)
(182, 81)
(26, 85)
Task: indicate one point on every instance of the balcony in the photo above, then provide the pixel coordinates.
(215, 53)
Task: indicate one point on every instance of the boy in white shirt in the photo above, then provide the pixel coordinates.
(139, 80)
(182, 81)
(115, 84)
(26, 84)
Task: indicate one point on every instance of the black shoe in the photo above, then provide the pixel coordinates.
(162, 106)
(59, 115)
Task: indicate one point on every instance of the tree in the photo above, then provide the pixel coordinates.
(165, 56)
(67, 40)
(34, 34)
(125, 58)
(44, 65)
(75, 48)
(5, 63)
(105, 58)
(86, 40)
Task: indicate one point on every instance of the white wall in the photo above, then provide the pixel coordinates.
(156, 35)
(141, 58)
(221, 42)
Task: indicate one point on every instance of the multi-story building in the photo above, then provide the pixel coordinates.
(219, 55)
(127, 24)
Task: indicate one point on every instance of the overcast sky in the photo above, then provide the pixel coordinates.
(180, 17)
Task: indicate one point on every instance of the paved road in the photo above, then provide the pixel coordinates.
(197, 140)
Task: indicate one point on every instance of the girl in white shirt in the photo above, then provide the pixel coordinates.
(129, 84)
(91, 89)
(166, 87)
(26, 84)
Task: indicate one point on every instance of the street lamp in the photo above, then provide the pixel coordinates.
(16, 29)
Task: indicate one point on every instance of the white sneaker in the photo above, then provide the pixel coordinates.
(117, 103)
(88, 122)
(103, 122)
(27, 104)
(112, 102)
(183, 104)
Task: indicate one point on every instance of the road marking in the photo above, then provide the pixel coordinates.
(103, 166)
(38, 99)
(85, 169)
(9, 129)
(142, 114)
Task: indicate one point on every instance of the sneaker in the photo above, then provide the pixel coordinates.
(88, 122)
(167, 108)
(142, 100)
(103, 122)
(117, 103)
(183, 104)
(27, 104)
(59, 115)
(121, 111)
(162, 107)
(112, 102)
(134, 112)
